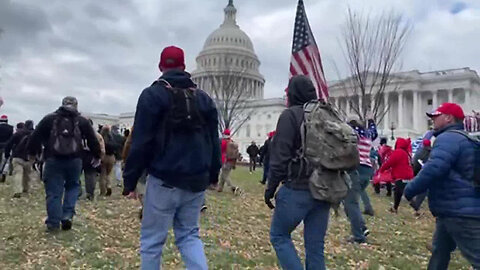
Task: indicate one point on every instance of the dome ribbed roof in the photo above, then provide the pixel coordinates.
(229, 34)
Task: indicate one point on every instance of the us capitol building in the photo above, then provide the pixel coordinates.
(228, 49)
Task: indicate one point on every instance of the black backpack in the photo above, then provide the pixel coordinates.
(21, 147)
(476, 145)
(65, 136)
(183, 115)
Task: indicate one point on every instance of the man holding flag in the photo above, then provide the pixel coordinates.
(294, 202)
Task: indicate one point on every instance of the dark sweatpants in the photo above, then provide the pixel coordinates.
(399, 187)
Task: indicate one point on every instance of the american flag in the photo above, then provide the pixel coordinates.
(305, 54)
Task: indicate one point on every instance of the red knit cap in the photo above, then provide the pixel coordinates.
(172, 57)
(226, 132)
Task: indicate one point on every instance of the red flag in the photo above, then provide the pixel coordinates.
(305, 54)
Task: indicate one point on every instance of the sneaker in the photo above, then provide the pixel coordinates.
(66, 224)
(366, 232)
(17, 195)
(352, 240)
(393, 210)
(203, 209)
(369, 213)
(109, 192)
(119, 184)
(262, 182)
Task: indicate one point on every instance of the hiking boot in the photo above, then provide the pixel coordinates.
(17, 195)
(393, 210)
(369, 213)
(262, 182)
(66, 224)
(109, 192)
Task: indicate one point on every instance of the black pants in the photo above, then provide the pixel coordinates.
(253, 163)
(399, 187)
(389, 188)
(417, 201)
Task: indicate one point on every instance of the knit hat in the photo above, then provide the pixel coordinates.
(4, 118)
(70, 102)
(226, 132)
(172, 57)
(426, 142)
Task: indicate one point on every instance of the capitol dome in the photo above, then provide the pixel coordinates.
(228, 54)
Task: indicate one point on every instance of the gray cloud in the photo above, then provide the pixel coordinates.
(106, 52)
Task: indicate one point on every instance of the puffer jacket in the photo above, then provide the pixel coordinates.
(399, 161)
(448, 175)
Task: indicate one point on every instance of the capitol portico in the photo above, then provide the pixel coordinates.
(413, 93)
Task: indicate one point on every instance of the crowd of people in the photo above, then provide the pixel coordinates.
(174, 153)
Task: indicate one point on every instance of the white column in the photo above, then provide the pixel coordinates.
(386, 121)
(435, 100)
(450, 95)
(347, 110)
(468, 100)
(416, 110)
(400, 109)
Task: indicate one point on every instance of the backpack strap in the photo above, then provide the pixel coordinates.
(466, 135)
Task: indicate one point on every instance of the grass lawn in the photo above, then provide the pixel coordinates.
(235, 230)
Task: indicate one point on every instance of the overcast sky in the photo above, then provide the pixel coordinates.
(105, 52)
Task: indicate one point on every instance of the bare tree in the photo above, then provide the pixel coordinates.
(372, 48)
(232, 92)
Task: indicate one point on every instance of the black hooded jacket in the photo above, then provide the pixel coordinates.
(41, 135)
(286, 142)
(13, 145)
(6, 132)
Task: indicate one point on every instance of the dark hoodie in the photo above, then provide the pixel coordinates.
(18, 143)
(41, 135)
(6, 132)
(286, 142)
(189, 161)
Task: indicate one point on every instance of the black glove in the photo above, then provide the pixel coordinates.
(269, 194)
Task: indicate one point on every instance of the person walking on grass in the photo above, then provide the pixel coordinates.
(364, 171)
(230, 154)
(252, 151)
(22, 166)
(452, 180)
(6, 132)
(89, 171)
(265, 157)
(108, 161)
(402, 172)
(62, 133)
(175, 139)
(293, 202)
(119, 141)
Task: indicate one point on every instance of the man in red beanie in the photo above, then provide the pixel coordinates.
(175, 139)
(451, 179)
(230, 155)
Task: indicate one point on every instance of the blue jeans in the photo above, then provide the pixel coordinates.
(451, 232)
(61, 176)
(365, 174)
(293, 207)
(163, 206)
(352, 208)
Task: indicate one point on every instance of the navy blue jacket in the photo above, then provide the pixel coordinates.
(448, 175)
(186, 161)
